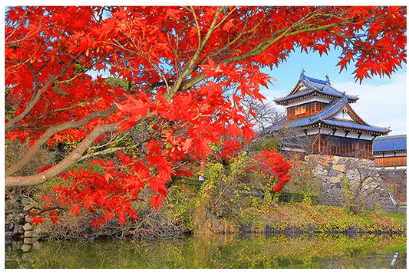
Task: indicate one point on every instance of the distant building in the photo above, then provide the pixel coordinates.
(390, 151)
(389, 154)
(316, 108)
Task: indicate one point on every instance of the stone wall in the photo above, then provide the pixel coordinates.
(396, 180)
(341, 178)
(18, 227)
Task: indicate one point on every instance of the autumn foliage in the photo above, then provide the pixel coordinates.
(183, 72)
(272, 163)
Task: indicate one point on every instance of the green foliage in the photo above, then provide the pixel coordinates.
(119, 82)
(180, 206)
(353, 203)
(222, 188)
(302, 179)
(80, 68)
(270, 144)
(95, 167)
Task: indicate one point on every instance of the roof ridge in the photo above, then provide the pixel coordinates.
(303, 76)
(392, 137)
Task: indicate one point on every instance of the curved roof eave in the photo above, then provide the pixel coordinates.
(356, 126)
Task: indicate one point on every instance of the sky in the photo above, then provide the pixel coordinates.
(382, 101)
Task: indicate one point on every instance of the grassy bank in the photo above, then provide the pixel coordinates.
(189, 210)
(319, 218)
(259, 213)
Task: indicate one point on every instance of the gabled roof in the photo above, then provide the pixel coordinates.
(314, 87)
(389, 143)
(326, 116)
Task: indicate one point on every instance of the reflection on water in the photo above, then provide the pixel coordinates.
(217, 251)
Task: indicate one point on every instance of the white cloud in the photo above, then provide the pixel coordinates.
(270, 94)
(381, 105)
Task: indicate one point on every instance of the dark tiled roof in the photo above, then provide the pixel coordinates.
(325, 117)
(329, 110)
(319, 86)
(389, 143)
(355, 125)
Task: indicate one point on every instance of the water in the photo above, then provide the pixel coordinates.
(217, 251)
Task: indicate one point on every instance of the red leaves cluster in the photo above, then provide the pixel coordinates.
(200, 116)
(104, 195)
(270, 162)
(109, 192)
(376, 54)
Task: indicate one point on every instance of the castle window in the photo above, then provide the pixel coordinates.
(302, 109)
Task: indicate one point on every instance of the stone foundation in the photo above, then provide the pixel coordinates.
(18, 228)
(344, 178)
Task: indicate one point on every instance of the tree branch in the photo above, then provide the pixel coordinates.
(70, 159)
(50, 132)
(195, 58)
(36, 97)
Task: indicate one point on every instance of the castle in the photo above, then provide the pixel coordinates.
(315, 108)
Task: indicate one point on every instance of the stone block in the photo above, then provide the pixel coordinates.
(18, 229)
(323, 179)
(28, 226)
(25, 247)
(30, 241)
(336, 159)
(9, 226)
(334, 180)
(341, 161)
(339, 168)
(30, 234)
(332, 173)
(21, 219)
(352, 174)
(321, 172)
(9, 234)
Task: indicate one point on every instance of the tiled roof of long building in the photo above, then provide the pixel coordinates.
(390, 143)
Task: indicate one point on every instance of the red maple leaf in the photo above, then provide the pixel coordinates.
(75, 209)
(156, 201)
(37, 220)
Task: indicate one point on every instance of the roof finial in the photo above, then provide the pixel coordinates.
(302, 76)
(327, 77)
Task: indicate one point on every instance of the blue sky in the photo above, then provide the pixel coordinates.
(382, 101)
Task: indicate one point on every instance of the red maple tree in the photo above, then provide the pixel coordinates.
(272, 163)
(171, 78)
